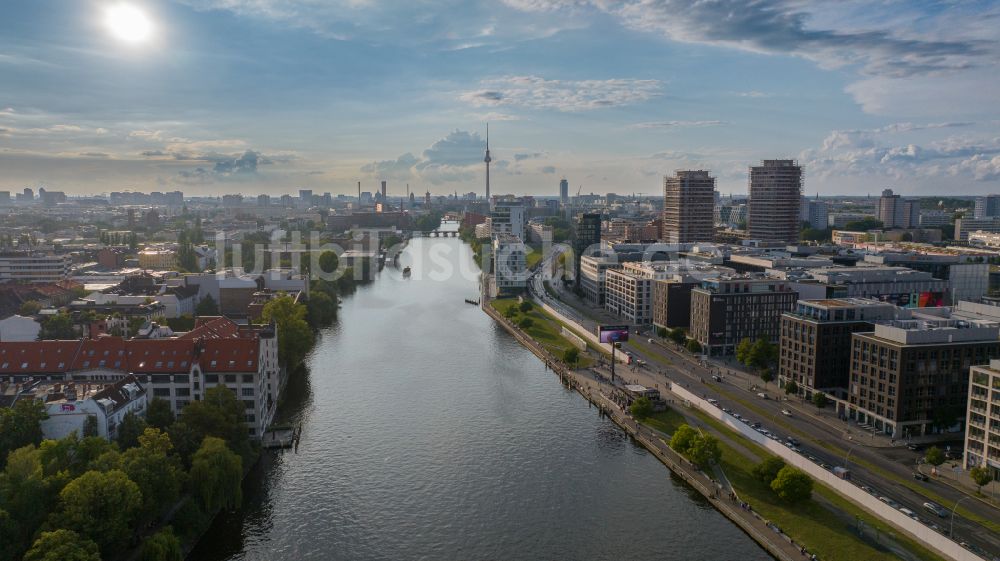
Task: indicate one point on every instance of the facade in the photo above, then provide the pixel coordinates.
(897, 285)
(540, 233)
(507, 217)
(629, 291)
(688, 207)
(725, 311)
(510, 270)
(965, 226)
(967, 279)
(34, 267)
(775, 196)
(905, 371)
(815, 213)
(159, 259)
(564, 191)
(672, 303)
(586, 235)
(984, 239)
(896, 212)
(593, 270)
(178, 370)
(987, 207)
(815, 345)
(982, 425)
(935, 219)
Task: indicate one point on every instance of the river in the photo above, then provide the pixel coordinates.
(430, 433)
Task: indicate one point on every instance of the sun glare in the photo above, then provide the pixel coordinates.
(128, 23)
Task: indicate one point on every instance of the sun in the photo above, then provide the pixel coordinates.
(128, 23)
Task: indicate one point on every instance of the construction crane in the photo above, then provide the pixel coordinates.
(578, 189)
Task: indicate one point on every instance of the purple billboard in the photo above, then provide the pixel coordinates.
(612, 333)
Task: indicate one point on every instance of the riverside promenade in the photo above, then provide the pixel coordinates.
(596, 389)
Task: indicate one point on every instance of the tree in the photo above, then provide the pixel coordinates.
(525, 323)
(641, 408)
(30, 308)
(63, 545)
(157, 474)
(820, 400)
(328, 262)
(766, 376)
(20, 425)
(100, 506)
(90, 427)
(216, 475)
(935, 456)
(207, 307)
(510, 312)
(791, 387)
(162, 546)
(682, 438)
(945, 417)
(322, 310)
(678, 336)
(129, 430)
(218, 414)
(57, 327)
(743, 351)
(792, 485)
(571, 356)
(159, 415)
(294, 336)
(864, 225)
(693, 346)
(525, 306)
(661, 332)
(981, 476)
(766, 471)
(704, 451)
(763, 354)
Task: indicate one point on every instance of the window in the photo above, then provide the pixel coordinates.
(183, 392)
(211, 378)
(248, 404)
(161, 392)
(247, 392)
(230, 378)
(248, 378)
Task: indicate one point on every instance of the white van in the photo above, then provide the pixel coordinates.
(935, 508)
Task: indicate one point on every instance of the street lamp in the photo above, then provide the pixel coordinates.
(951, 530)
(847, 456)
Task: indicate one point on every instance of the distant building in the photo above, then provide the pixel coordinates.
(586, 237)
(564, 191)
(965, 226)
(69, 404)
(306, 197)
(775, 195)
(593, 274)
(19, 328)
(725, 311)
(688, 207)
(508, 217)
(158, 259)
(34, 267)
(896, 212)
(987, 207)
(935, 219)
(672, 303)
(815, 214)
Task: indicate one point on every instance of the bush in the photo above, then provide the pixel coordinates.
(661, 332)
(791, 388)
(820, 400)
(571, 355)
(935, 456)
(525, 306)
(693, 346)
(525, 323)
(641, 408)
(682, 438)
(766, 471)
(677, 336)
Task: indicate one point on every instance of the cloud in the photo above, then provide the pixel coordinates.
(547, 169)
(534, 92)
(676, 124)
(459, 148)
(528, 156)
(754, 94)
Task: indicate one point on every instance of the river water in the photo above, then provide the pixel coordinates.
(430, 433)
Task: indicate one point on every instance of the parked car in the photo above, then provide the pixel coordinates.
(868, 489)
(914, 447)
(762, 395)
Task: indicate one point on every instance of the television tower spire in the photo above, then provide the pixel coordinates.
(487, 159)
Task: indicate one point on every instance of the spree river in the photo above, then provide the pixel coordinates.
(430, 433)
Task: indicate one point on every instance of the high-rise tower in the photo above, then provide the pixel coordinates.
(487, 159)
(775, 196)
(688, 206)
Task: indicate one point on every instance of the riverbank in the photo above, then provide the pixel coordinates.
(591, 389)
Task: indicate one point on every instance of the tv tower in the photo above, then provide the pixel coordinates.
(487, 159)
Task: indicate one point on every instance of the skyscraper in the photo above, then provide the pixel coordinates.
(383, 192)
(688, 207)
(564, 191)
(896, 212)
(587, 234)
(775, 194)
(987, 207)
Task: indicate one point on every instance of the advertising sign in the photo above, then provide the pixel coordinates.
(612, 333)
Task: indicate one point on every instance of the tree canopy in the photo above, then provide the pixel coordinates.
(216, 474)
(100, 506)
(20, 425)
(295, 338)
(63, 545)
(792, 485)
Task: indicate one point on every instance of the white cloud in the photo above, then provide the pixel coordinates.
(534, 92)
(676, 124)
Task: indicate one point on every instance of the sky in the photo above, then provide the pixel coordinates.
(270, 96)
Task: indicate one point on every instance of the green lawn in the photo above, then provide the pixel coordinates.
(545, 330)
(534, 255)
(828, 534)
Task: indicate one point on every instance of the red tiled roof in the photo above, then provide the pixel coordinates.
(37, 357)
(152, 356)
(213, 328)
(229, 355)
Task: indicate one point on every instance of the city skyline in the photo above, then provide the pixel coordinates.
(213, 97)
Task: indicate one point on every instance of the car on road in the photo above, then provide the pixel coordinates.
(936, 509)
(793, 441)
(762, 395)
(868, 490)
(919, 476)
(889, 501)
(755, 425)
(726, 410)
(914, 447)
(786, 412)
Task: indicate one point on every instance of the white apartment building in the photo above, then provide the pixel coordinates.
(629, 290)
(510, 269)
(507, 218)
(982, 434)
